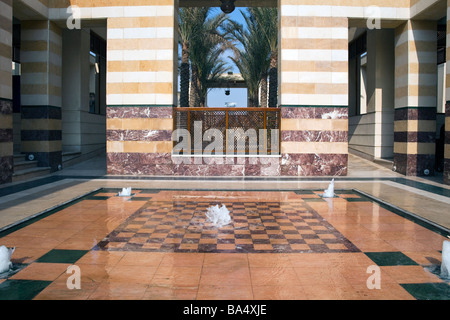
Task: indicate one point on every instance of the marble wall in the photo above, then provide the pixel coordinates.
(41, 99)
(139, 140)
(414, 137)
(314, 141)
(415, 98)
(6, 109)
(142, 144)
(313, 91)
(6, 141)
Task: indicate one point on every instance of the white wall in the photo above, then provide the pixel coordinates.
(371, 133)
(81, 131)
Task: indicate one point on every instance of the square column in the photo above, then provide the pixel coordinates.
(415, 98)
(313, 92)
(6, 105)
(447, 145)
(447, 106)
(41, 61)
(141, 89)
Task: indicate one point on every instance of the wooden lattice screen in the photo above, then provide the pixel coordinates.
(243, 124)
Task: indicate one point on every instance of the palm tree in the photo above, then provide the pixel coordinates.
(263, 94)
(267, 20)
(189, 26)
(206, 64)
(209, 68)
(252, 59)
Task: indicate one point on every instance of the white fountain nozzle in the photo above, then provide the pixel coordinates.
(329, 193)
(445, 265)
(218, 216)
(126, 192)
(5, 258)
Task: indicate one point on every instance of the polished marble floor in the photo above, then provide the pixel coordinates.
(285, 242)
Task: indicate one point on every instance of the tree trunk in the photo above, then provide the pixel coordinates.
(273, 80)
(194, 96)
(184, 76)
(264, 91)
(201, 94)
(253, 101)
(198, 95)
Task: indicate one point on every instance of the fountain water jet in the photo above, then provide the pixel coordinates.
(5, 258)
(126, 192)
(445, 265)
(329, 193)
(218, 216)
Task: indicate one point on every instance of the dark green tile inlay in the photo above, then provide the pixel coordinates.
(140, 199)
(108, 190)
(21, 289)
(360, 199)
(62, 256)
(304, 191)
(12, 271)
(150, 190)
(390, 259)
(97, 198)
(344, 192)
(313, 200)
(428, 291)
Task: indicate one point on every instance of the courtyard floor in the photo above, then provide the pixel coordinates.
(380, 238)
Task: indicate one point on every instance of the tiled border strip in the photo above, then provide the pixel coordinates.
(43, 214)
(408, 215)
(7, 190)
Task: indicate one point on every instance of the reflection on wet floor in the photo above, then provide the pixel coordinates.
(157, 244)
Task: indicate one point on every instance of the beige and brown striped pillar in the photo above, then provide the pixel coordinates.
(415, 98)
(6, 109)
(141, 89)
(447, 106)
(41, 61)
(313, 92)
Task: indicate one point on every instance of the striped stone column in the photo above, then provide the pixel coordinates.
(6, 116)
(415, 98)
(313, 92)
(447, 144)
(41, 61)
(447, 106)
(141, 89)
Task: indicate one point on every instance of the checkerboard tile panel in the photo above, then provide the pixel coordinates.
(270, 227)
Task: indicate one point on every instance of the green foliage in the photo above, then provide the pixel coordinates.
(202, 43)
(257, 40)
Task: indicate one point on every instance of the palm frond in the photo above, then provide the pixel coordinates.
(253, 58)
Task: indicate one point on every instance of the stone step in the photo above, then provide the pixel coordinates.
(22, 164)
(71, 158)
(30, 173)
(70, 155)
(387, 163)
